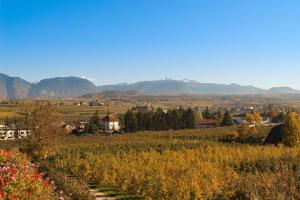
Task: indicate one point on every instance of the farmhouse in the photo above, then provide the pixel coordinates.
(110, 123)
(206, 123)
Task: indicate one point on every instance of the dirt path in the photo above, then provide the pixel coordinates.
(101, 195)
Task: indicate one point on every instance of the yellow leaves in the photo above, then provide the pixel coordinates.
(291, 130)
(169, 166)
(253, 118)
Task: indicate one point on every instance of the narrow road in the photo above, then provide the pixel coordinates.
(101, 195)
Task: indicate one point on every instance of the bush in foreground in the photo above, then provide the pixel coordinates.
(19, 179)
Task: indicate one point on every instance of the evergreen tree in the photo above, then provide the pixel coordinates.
(140, 121)
(175, 119)
(91, 128)
(207, 113)
(130, 121)
(189, 118)
(227, 120)
(94, 124)
(148, 120)
(182, 121)
(95, 120)
(159, 120)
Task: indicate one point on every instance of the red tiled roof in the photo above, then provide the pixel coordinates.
(110, 118)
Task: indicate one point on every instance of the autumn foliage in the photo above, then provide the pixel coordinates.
(189, 164)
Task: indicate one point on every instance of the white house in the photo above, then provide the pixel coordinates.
(7, 134)
(110, 123)
(11, 134)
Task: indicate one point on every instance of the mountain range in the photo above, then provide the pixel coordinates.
(67, 87)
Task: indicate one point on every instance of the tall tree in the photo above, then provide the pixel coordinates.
(198, 115)
(130, 121)
(207, 113)
(45, 133)
(219, 116)
(291, 130)
(94, 124)
(227, 120)
(95, 118)
(189, 118)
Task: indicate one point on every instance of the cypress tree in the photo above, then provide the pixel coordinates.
(291, 130)
(227, 120)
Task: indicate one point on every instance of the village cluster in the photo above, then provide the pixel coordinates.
(111, 123)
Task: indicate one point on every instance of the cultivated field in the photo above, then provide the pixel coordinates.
(68, 112)
(189, 164)
(186, 164)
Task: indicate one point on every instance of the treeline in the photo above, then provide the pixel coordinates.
(158, 120)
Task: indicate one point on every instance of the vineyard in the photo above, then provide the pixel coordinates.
(189, 164)
(182, 164)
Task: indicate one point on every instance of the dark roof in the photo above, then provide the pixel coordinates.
(240, 115)
(275, 136)
(206, 122)
(110, 118)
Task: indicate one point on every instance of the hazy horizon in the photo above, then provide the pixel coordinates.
(248, 43)
(161, 79)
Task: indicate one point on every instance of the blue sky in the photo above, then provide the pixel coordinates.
(250, 42)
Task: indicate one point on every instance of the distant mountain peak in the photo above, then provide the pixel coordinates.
(61, 87)
(167, 79)
(13, 87)
(188, 80)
